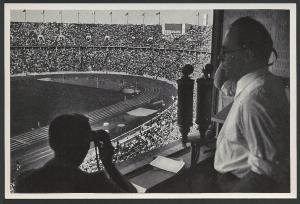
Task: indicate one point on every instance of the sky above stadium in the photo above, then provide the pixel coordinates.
(115, 16)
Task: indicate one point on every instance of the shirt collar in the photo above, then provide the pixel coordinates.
(250, 81)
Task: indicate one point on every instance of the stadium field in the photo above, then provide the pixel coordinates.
(35, 100)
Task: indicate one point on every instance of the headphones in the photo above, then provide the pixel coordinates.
(276, 56)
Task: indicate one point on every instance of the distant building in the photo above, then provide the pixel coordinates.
(175, 29)
(172, 29)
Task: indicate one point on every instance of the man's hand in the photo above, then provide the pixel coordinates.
(106, 154)
(106, 149)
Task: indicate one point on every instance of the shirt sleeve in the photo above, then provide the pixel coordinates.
(262, 138)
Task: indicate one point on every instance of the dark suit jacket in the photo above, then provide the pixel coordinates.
(55, 177)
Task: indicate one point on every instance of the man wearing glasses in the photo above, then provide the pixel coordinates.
(252, 152)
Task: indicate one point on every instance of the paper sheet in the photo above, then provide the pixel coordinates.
(167, 164)
(139, 189)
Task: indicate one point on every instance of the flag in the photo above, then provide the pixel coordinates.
(158, 13)
(110, 13)
(24, 10)
(197, 14)
(126, 14)
(43, 11)
(143, 14)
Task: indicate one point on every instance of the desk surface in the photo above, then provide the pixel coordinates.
(201, 179)
(156, 180)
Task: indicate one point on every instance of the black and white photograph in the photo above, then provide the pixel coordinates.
(150, 101)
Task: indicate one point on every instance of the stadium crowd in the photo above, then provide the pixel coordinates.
(152, 62)
(70, 34)
(134, 49)
(154, 134)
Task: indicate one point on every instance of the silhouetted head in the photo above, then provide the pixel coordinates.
(247, 46)
(69, 137)
(187, 70)
(207, 70)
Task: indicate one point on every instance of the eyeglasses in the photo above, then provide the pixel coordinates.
(223, 52)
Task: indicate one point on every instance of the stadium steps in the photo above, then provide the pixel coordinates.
(27, 159)
(28, 138)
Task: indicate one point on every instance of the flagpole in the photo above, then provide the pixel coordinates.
(94, 17)
(60, 13)
(25, 15)
(127, 22)
(43, 16)
(198, 18)
(78, 16)
(158, 18)
(110, 17)
(143, 18)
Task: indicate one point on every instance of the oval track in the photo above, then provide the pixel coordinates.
(25, 141)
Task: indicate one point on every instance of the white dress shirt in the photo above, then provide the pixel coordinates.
(228, 88)
(255, 135)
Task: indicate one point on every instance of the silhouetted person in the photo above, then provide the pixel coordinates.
(69, 137)
(185, 101)
(252, 153)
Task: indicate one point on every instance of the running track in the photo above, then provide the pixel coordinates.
(25, 149)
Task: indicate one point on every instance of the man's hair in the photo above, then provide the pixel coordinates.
(69, 133)
(253, 35)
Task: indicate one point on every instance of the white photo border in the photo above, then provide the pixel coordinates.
(132, 6)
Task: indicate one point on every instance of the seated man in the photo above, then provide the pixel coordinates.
(252, 153)
(69, 137)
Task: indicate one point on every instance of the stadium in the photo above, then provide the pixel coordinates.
(179, 99)
(122, 77)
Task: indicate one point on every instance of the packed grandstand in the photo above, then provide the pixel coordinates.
(133, 49)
